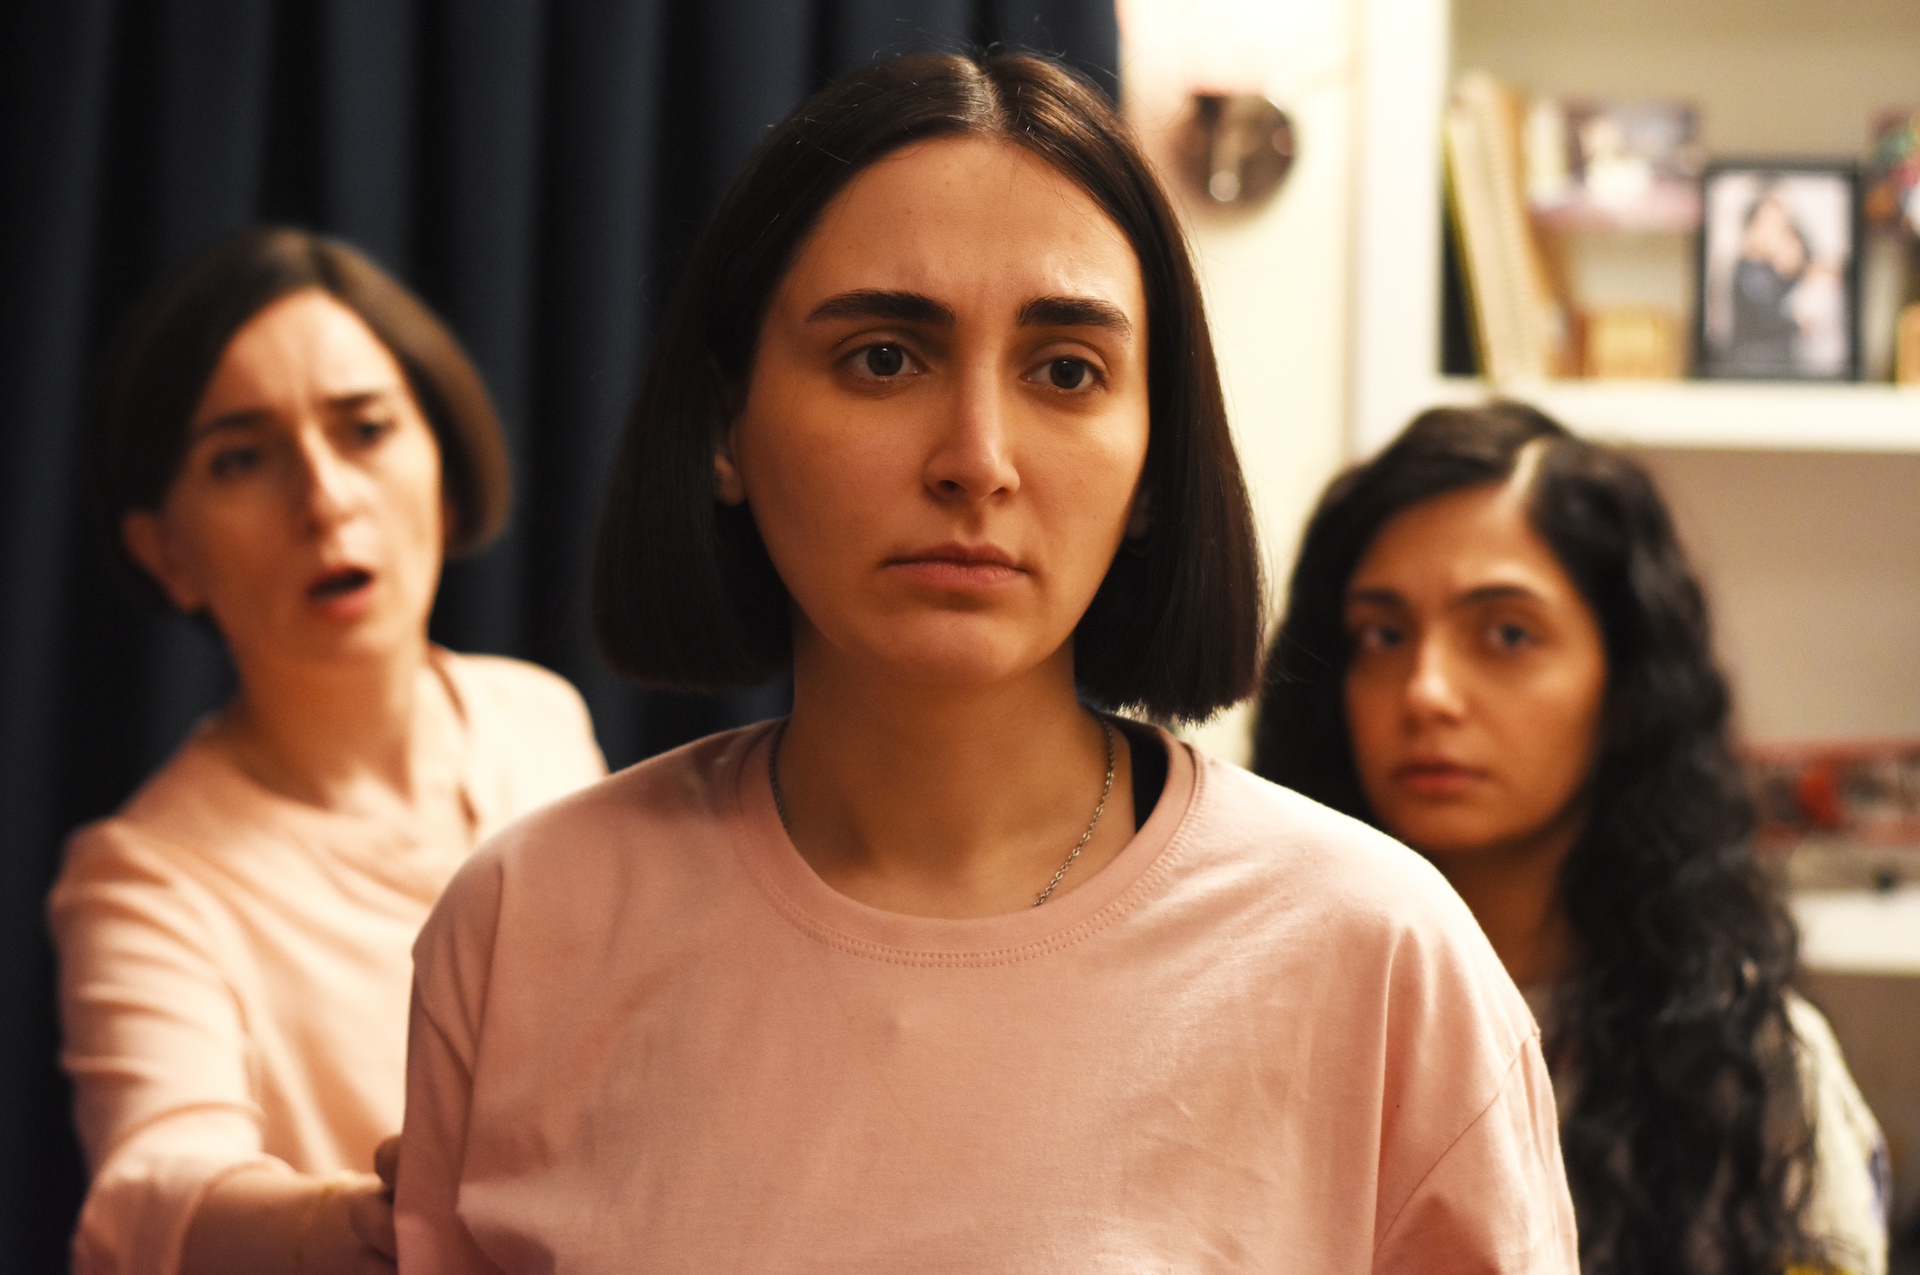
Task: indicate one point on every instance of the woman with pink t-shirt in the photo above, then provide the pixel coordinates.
(952, 969)
(289, 445)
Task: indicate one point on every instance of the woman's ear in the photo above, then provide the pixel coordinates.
(727, 487)
(145, 537)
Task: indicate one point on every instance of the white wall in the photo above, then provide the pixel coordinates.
(1812, 565)
(1276, 279)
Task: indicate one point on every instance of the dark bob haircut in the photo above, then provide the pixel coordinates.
(172, 339)
(684, 594)
(1687, 1139)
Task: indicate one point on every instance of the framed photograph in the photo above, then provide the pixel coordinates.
(1779, 271)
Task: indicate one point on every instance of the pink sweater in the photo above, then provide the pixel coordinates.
(647, 1037)
(234, 965)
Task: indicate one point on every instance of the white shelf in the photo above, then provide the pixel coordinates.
(1396, 317)
(1859, 931)
(1692, 414)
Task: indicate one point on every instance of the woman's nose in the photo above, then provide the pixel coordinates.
(972, 459)
(325, 488)
(1433, 690)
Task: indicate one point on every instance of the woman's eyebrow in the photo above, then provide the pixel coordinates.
(352, 399)
(246, 418)
(1375, 597)
(1497, 593)
(875, 303)
(1074, 312)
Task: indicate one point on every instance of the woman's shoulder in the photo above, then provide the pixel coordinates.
(639, 844)
(532, 738)
(650, 810)
(160, 851)
(1329, 890)
(1314, 854)
(1824, 1073)
(520, 687)
(198, 801)
(1851, 1183)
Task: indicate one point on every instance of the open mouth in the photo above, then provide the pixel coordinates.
(338, 584)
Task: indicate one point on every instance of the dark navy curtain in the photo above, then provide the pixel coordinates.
(535, 170)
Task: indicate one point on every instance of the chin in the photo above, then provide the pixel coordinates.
(957, 652)
(1442, 834)
(375, 637)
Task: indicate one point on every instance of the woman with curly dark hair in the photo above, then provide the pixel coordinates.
(1495, 650)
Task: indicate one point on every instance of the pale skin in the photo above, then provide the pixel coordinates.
(1475, 700)
(307, 521)
(941, 443)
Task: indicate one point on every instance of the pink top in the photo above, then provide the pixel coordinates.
(234, 965)
(647, 1037)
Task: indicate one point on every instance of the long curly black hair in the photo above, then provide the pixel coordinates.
(1687, 1140)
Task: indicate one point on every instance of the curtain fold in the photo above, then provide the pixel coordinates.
(534, 168)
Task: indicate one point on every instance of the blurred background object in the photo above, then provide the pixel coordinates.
(534, 170)
(1237, 148)
(1632, 343)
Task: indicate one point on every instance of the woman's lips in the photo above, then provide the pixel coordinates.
(342, 594)
(964, 567)
(1437, 778)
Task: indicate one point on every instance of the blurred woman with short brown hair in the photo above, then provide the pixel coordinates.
(289, 445)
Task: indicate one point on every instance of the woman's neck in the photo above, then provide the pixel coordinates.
(953, 804)
(1513, 890)
(365, 736)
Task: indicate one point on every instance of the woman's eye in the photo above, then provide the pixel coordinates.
(232, 462)
(1509, 636)
(371, 431)
(1377, 637)
(1069, 374)
(883, 360)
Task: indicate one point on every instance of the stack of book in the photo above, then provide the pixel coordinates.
(1521, 327)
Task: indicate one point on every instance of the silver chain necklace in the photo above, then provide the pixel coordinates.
(1106, 790)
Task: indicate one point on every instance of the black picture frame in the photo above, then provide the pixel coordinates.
(1757, 316)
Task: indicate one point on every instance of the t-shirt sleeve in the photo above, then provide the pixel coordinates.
(156, 1047)
(451, 961)
(1496, 1202)
(1847, 1204)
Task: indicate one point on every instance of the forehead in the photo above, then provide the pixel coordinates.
(1463, 540)
(967, 221)
(305, 340)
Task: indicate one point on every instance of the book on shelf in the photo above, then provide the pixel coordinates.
(1521, 328)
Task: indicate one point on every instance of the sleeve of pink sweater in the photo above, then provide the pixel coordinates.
(1495, 1201)
(139, 984)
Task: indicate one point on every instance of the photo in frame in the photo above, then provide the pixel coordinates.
(1779, 271)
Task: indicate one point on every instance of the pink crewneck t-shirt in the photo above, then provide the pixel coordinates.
(646, 1036)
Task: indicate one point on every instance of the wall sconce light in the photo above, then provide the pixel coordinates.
(1236, 148)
